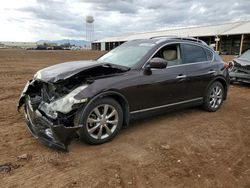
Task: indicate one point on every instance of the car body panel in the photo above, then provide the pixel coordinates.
(167, 88)
(63, 71)
(242, 62)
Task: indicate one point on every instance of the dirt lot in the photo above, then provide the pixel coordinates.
(189, 148)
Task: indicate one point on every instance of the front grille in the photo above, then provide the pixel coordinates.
(243, 69)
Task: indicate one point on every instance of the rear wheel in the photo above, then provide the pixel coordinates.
(101, 121)
(214, 97)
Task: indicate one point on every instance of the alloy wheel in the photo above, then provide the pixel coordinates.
(216, 96)
(102, 121)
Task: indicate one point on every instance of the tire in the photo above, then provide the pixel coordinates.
(214, 97)
(97, 127)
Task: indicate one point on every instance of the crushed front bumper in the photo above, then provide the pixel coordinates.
(54, 136)
(238, 76)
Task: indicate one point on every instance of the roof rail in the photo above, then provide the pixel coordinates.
(193, 39)
(164, 36)
(181, 38)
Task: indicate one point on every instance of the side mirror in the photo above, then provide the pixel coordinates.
(157, 63)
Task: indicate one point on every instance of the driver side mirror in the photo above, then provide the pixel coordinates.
(157, 63)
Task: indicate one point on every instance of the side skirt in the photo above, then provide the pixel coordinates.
(190, 102)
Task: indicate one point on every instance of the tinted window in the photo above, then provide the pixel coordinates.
(193, 53)
(209, 54)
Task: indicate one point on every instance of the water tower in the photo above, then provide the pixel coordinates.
(89, 28)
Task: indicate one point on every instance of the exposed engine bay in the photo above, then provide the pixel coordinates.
(239, 70)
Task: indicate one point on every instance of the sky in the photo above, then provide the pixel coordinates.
(33, 20)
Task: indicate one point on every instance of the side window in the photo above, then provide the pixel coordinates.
(194, 53)
(171, 53)
(209, 54)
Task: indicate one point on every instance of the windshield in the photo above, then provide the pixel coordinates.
(128, 54)
(245, 55)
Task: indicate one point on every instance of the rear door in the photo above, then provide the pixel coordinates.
(199, 68)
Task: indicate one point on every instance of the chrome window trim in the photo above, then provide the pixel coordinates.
(180, 43)
(166, 105)
(188, 64)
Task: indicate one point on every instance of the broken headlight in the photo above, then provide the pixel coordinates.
(64, 104)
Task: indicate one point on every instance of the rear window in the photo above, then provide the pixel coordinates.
(209, 54)
(194, 53)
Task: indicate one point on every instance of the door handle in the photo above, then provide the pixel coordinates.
(181, 76)
(211, 72)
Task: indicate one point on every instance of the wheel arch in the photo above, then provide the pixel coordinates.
(120, 98)
(223, 82)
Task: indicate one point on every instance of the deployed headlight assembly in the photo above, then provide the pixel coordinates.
(64, 104)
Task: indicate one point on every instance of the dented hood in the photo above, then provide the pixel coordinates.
(65, 70)
(242, 62)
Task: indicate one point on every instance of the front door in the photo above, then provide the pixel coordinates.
(164, 86)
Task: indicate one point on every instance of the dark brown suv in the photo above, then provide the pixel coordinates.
(94, 99)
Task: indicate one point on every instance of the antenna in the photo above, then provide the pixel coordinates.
(89, 28)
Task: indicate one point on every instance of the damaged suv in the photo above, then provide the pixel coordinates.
(93, 99)
(239, 68)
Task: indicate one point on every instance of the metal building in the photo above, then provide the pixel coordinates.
(228, 38)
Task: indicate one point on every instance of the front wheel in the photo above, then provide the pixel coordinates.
(101, 121)
(214, 97)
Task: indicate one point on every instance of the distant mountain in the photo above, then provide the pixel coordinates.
(59, 42)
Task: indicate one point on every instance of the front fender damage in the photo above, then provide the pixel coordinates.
(51, 99)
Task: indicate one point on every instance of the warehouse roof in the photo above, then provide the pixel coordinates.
(234, 28)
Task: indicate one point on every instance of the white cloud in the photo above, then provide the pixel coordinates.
(32, 20)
